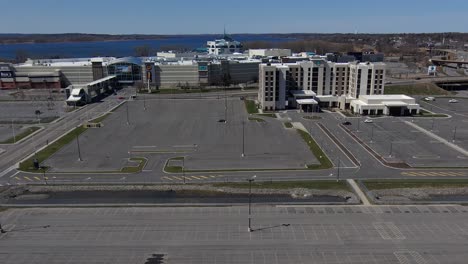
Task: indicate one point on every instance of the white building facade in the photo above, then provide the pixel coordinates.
(334, 84)
(226, 45)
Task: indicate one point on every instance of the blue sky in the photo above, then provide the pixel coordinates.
(239, 16)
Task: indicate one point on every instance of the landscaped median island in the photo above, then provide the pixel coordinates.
(425, 113)
(409, 191)
(20, 136)
(134, 169)
(315, 192)
(325, 162)
(27, 165)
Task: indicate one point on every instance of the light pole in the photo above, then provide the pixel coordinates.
(183, 169)
(250, 201)
(78, 145)
(338, 171)
(432, 127)
(372, 134)
(44, 175)
(454, 134)
(14, 133)
(358, 124)
(391, 149)
(128, 120)
(225, 105)
(243, 138)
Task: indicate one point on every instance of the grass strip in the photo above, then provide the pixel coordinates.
(415, 89)
(256, 119)
(251, 107)
(268, 115)
(21, 135)
(135, 169)
(99, 119)
(325, 163)
(318, 185)
(288, 125)
(45, 153)
(397, 184)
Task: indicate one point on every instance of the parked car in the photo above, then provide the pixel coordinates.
(347, 123)
(453, 101)
(429, 99)
(368, 121)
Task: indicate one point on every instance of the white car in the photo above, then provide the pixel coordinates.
(453, 101)
(368, 121)
(429, 99)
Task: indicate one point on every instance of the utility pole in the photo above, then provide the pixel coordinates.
(243, 138)
(78, 145)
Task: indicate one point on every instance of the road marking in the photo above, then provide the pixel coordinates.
(177, 178)
(27, 178)
(196, 177)
(37, 178)
(167, 178)
(14, 174)
(17, 178)
(204, 177)
(434, 173)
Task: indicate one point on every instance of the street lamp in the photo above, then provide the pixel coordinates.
(78, 145)
(454, 134)
(250, 201)
(243, 139)
(391, 149)
(338, 170)
(128, 120)
(14, 133)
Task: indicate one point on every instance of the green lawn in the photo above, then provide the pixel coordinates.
(21, 135)
(135, 169)
(424, 113)
(415, 89)
(321, 185)
(173, 169)
(251, 107)
(256, 119)
(394, 184)
(268, 115)
(325, 163)
(44, 154)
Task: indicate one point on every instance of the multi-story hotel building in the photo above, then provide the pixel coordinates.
(327, 83)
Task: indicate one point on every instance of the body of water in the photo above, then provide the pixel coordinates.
(114, 48)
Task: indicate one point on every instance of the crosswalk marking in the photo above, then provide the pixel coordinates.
(27, 178)
(191, 178)
(37, 178)
(435, 173)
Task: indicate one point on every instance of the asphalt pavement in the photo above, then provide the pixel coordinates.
(289, 234)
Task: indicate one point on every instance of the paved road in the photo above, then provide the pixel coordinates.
(394, 234)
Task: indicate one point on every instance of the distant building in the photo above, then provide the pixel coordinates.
(269, 53)
(330, 84)
(225, 45)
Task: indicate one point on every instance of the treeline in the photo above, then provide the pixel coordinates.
(72, 37)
